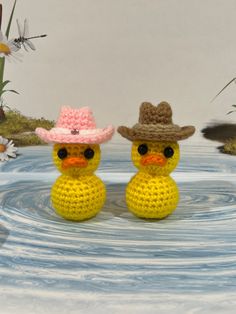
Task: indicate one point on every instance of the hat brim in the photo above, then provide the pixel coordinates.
(97, 136)
(155, 135)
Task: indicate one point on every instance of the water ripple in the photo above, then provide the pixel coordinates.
(192, 252)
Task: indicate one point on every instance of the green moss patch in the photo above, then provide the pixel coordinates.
(20, 128)
(229, 147)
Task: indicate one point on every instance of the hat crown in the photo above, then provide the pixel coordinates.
(76, 119)
(160, 114)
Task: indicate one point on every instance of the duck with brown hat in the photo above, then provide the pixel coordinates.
(151, 192)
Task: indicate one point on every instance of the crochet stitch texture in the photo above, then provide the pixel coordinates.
(78, 194)
(155, 124)
(78, 199)
(76, 126)
(152, 193)
(152, 197)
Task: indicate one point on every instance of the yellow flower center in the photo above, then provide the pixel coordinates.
(2, 148)
(4, 49)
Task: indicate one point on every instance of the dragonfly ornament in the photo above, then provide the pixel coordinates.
(24, 40)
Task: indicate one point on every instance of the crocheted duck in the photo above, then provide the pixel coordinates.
(78, 194)
(152, 193)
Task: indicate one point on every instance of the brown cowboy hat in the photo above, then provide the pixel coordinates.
(155, 124)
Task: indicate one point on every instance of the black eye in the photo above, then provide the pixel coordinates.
(62, 153)
(89, 153)
(142, 149)
(168, 152)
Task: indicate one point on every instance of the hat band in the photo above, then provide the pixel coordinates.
(65, 131)
(162, 128)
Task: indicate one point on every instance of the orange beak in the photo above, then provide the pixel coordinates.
(157, 159)
(74, 162)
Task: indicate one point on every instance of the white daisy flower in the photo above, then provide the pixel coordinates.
(7, 47)
(7, 149)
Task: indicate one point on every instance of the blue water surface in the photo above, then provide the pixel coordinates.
(115, 262)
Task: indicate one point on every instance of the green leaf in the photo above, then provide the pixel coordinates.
(9, 90)
(13, 91)
(2, 63)
(5, 83)
(233, 80)
(10, 20)
(0, 15)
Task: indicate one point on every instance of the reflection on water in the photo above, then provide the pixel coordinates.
(117, 261)
(3, 235)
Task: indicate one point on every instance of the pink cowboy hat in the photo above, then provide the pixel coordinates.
(76, 126)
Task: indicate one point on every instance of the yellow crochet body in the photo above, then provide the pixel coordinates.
(78, 194)
(78, 198)
(152, 193)
(151, 196)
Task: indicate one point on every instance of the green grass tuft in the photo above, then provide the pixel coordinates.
(20, 128)
(229, 147)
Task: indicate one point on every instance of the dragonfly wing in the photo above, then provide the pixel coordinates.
(24, 45)
(16, 46)
(20, 32)
(30, 44)
(26, 29)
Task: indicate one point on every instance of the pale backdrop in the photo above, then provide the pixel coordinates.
(112, 55)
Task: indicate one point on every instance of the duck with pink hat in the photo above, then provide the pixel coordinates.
(78, 194)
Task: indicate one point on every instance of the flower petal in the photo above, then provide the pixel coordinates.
(11, 154)
(4, 141)
(3, 157)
